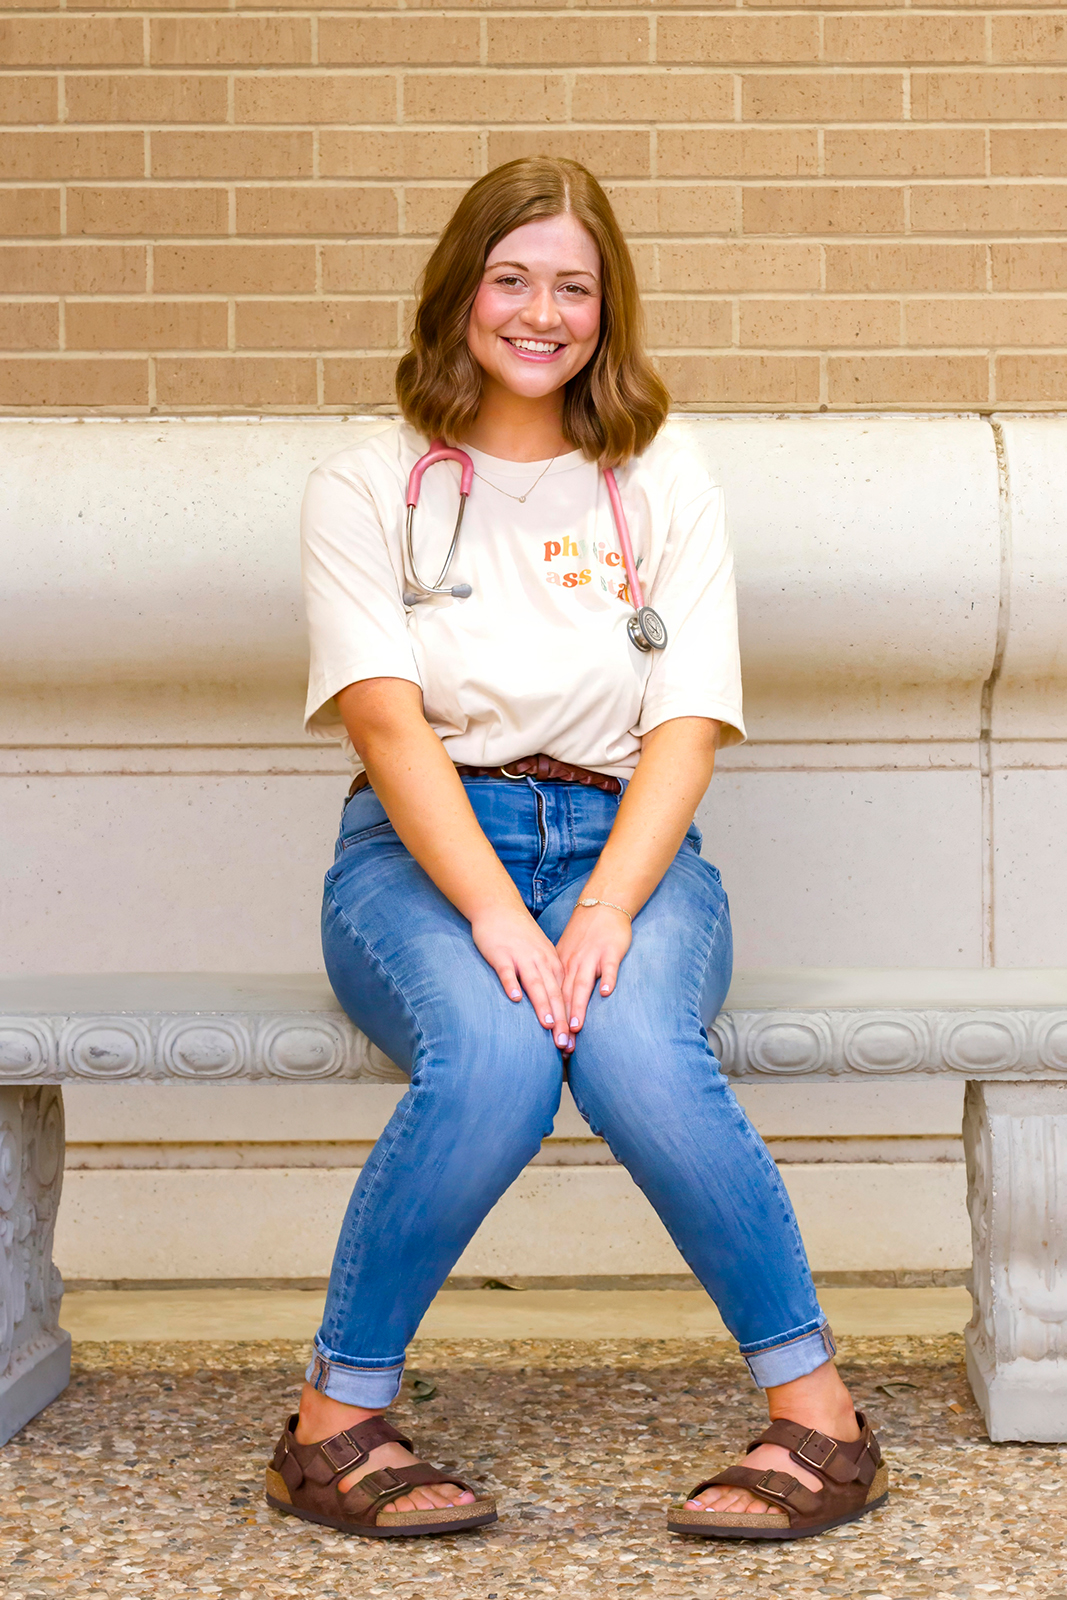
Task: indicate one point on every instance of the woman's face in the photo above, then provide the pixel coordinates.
(535, 320)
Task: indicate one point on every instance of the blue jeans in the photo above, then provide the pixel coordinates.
(486, 1079)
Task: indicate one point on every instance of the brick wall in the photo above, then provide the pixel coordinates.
(217, 208)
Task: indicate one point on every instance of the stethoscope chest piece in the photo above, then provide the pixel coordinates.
(646, 629)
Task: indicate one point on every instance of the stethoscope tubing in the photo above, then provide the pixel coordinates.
(646, 628)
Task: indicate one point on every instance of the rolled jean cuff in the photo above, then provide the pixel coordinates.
(372, 1385)
(792, 1357)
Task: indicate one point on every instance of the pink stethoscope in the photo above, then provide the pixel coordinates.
(645, 628)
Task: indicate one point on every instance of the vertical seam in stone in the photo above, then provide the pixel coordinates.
(985, 739)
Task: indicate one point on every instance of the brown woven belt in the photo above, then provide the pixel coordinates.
(546, 769)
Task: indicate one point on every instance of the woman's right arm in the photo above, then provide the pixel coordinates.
(418, 786)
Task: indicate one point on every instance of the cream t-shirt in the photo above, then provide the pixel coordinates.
(537, 660)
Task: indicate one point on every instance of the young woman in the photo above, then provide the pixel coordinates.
(517, 886)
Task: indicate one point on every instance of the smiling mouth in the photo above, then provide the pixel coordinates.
(534, 347)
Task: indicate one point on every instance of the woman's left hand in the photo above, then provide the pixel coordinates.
(591, 947)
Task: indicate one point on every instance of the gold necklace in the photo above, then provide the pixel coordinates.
(521, 498)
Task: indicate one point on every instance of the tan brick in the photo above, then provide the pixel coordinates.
(245, 381)
(688, 324)
(29, 325)
(820, 323)
(28, 99)
(316, 324)
(904, 152)
(72, 155)
(908, 37)
(670, 95)
(234, 269)
(735, 268)
(878, 268)
(427, 209)
(988, 96)
(221, 154)
(989, 208)
(147, 212)
(145, 97)
(372, 268)
(908, 380)
(359, 380)
(400, 41)
(987, 321)
(72, 269)
(845, 208)
(291, 209)
(822, 96)
(73, 383)
(734, 37)
(1031, 379)
(29, 211)
(1030, 38)
(566, 41)
(484, 97)
(675, 208)
(609, 152)
(426, 154)
(230, 41)
(71, 41)
(738, 380)
(146, 324)
(737, 152)
(1028, 152)
(317, 97)
(1029, 266)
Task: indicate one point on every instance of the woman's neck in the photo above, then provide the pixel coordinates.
(513, 427)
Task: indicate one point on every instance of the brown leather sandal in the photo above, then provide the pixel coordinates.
(854, 1476)
(302, 1481)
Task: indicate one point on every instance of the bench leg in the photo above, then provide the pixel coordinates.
(34, 1352)
(1015, 1136)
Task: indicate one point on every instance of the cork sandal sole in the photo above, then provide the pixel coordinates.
(390, 1524)
(767, 1525)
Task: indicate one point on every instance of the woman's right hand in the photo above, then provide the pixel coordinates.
(525, 960)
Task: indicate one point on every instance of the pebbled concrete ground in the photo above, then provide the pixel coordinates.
(145, 1480)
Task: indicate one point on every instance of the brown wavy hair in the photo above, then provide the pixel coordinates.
(614, 407)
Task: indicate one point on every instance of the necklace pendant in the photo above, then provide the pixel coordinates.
(522, 499)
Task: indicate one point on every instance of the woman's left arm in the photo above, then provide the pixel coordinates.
(676, 763)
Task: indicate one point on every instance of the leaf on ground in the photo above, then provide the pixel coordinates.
(498, 1283)
(894, 1387)
(422, 1389)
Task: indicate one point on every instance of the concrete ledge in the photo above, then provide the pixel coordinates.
(786, 1023)
(559, 1222)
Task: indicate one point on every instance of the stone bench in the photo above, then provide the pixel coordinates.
(1003, 1031)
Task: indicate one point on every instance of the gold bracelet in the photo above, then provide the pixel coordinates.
(610, 903)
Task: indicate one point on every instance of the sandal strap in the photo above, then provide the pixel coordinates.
(833, 1460)
(328, 1460)
(366, 1498)
(779, 1488)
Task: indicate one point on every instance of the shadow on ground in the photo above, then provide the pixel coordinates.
(145, 1479)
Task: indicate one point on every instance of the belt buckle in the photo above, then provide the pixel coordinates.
(515, 777)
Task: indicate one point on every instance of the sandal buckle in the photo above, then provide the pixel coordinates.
(776, 1483)
(355, 1460)
(810, 1460)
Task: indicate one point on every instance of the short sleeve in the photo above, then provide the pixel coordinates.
(351, 593)
(698, 674)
